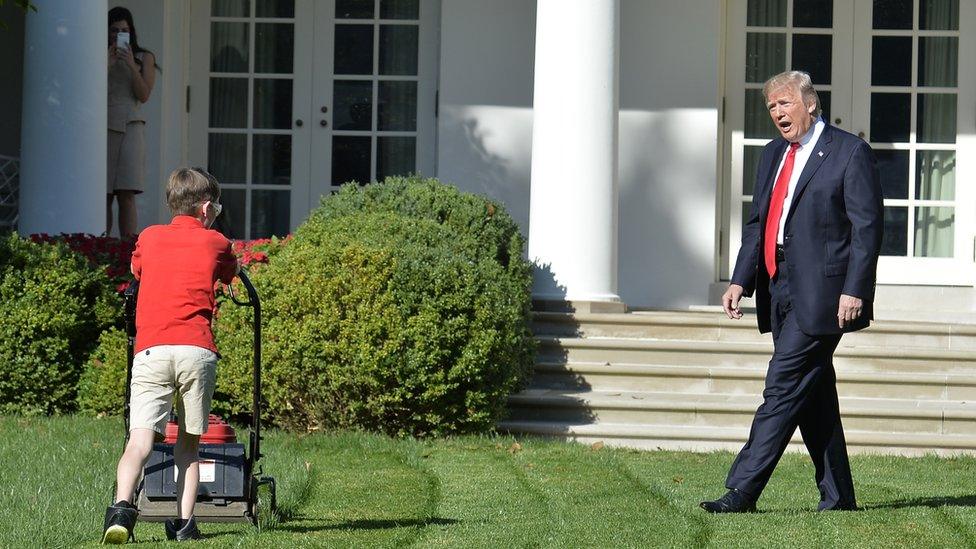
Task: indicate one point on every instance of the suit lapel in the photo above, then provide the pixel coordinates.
(820, 153)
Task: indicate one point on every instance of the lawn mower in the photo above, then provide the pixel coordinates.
(232, 485)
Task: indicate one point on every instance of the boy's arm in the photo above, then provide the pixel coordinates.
(227, 265)
(135, 264)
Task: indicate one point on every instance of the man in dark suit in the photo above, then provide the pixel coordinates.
(810, 252)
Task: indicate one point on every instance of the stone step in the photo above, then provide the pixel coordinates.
(704, 438)
(723, 410)
(745, 354)
(712, 326)
(744, 380)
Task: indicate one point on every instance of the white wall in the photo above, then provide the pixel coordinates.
(484, 131)
(669, 73)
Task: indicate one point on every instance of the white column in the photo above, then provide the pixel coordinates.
(63, 140)
(573, 209)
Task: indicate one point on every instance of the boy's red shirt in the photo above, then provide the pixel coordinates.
(177, 266)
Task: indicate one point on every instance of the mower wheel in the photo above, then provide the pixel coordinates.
(265, 507)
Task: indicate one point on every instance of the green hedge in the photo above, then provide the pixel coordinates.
(55, 305)
(400, 307)
(101, 388)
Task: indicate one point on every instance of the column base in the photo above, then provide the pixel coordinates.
(578, 306)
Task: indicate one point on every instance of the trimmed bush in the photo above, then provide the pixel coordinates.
(400, 307)
(101, 388)
(55, 305)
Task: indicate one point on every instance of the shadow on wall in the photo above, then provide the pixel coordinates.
(667, 197)
(488, 150)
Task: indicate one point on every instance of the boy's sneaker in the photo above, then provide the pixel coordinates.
(120, 520)
(184, 530)
(172, 526)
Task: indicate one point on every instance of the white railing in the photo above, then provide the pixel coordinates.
(9, 191)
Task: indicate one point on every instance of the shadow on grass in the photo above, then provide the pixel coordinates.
(363, 524)
(946, 501)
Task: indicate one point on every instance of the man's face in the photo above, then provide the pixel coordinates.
(792, 117)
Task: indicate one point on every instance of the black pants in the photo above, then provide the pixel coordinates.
(800, 391)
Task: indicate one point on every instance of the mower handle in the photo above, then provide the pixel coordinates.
(254, 302)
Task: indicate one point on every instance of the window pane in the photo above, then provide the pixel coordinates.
(230, 8)
(812, 54)
(935, 172)
(750, 162)
(398, 106)
(890, 117)
(399, 9)
(936, 118)
(228, 47)
(398, 49)
(934, 228)
(765, 55)
(757, 122)
(895, 241)
(352, 102)
(274, 47)
(824, 104)
(271, 160)
(938, 61)
(272, 103)
(766, 13)
(892, 14)
(350, 159)
(813, 13)
(276, 8)
(270, 213)
(230, 222)
(395, 156)
(891, 61)
(893, 168)
(224, 154)
(354, 9)
(939, 15)
(354, 49)
(228, 102)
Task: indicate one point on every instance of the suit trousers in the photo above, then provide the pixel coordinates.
(800, 391)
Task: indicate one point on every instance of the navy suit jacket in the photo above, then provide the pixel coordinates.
(832, 236)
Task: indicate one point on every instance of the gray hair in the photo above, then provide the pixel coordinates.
(799, 79)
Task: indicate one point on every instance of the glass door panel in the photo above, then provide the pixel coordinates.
(253, 85)
(907, 95)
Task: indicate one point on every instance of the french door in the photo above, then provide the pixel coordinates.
(888, 71)
(291, 98)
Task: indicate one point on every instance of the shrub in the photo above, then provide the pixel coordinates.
(390, 310)
(101, 388)
(112, 253)
(55, 304)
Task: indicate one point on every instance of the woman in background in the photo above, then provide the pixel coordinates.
(131, 75)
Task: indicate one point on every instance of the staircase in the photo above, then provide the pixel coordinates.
(692, 381)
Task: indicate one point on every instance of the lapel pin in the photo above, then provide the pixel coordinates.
(820, 153)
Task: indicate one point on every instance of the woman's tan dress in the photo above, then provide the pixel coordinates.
(126, 132)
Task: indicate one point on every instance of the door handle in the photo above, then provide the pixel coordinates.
(299, 122)
(860, 134)
(838, 121)
(323, 123)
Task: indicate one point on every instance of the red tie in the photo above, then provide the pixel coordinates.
(776, 209)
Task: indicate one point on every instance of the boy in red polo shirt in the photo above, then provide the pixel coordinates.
(177, 266)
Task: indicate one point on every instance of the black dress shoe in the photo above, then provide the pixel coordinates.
(839, 507)
(733, 501)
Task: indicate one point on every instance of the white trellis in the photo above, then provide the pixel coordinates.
(9, 190)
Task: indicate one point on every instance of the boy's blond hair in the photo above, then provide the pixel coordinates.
(188, 188)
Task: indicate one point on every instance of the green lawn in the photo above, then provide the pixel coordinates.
(342, 490)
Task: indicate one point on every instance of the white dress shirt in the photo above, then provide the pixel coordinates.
(807, 144)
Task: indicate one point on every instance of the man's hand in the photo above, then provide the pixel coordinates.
(848, 310)
(730, 301)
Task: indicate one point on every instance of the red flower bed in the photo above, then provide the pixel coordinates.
(116, 254)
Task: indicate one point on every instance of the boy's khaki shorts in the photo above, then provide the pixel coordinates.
(158, 372)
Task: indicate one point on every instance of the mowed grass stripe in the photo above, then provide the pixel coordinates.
(486, 500)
